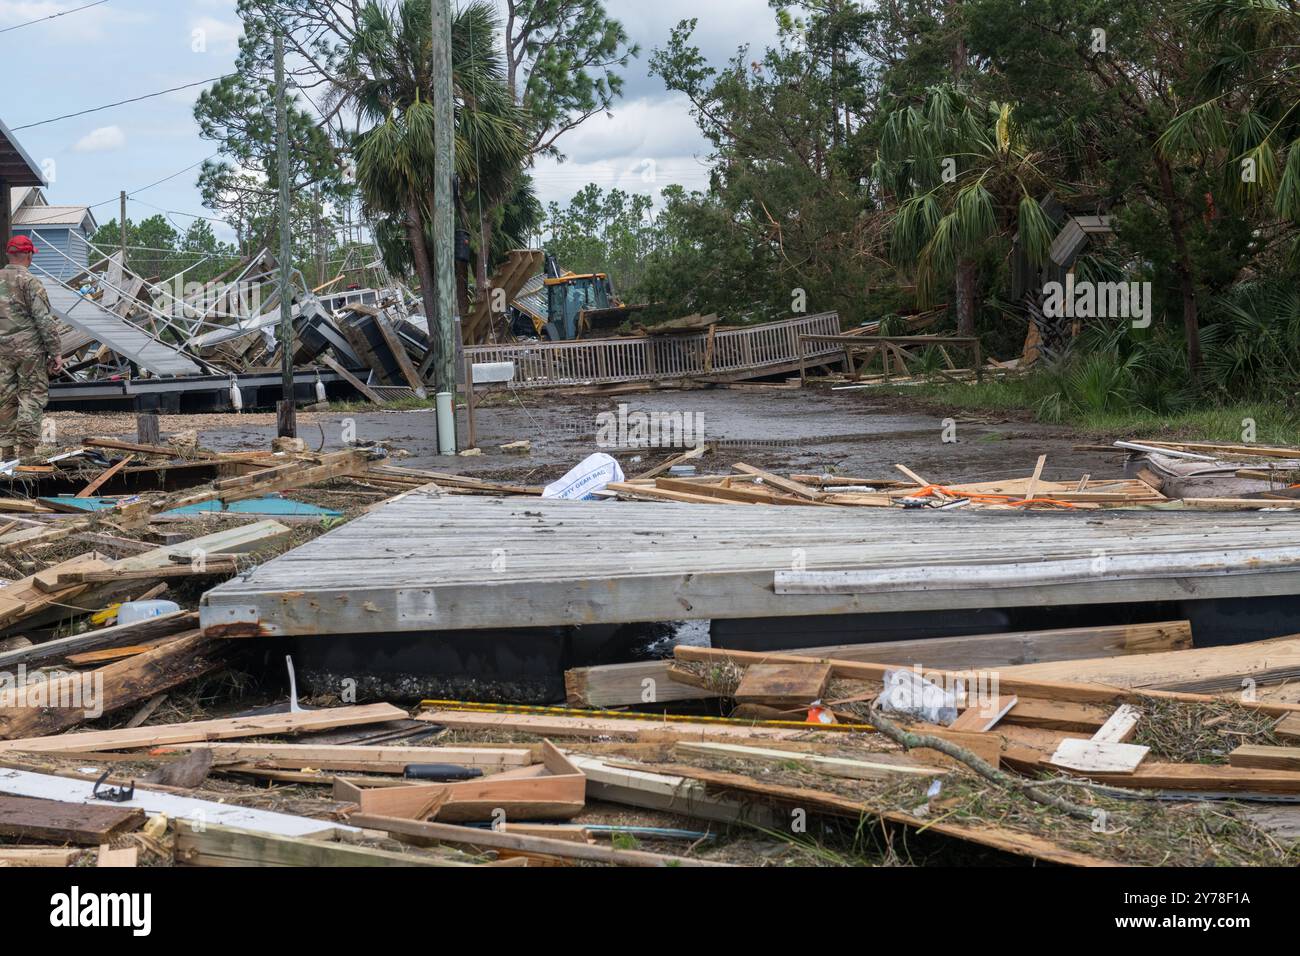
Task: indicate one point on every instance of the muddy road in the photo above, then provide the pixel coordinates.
(787, 430)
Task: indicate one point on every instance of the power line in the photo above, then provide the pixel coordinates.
(134, 99)
(52, 16)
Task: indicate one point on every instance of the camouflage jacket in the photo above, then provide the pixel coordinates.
(26, 324)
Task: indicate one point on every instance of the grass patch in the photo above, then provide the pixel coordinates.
(1275, 424)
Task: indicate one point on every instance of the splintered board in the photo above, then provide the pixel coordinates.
(783, 686)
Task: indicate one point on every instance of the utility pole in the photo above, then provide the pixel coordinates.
(287, 419)
(123, 228)
(442, 327)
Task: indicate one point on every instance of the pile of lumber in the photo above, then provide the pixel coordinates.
(1079, 715)
(750, 485)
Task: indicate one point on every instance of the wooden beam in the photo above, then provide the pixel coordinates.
(617, 685)
(199, 730)
(1008, 681)
(852, 768)
(229, 846)
(69, 702)
(1265, 758)
(497, 840)
(362, 758)
(104, 476)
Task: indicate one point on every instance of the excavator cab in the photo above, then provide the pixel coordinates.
(574, 301)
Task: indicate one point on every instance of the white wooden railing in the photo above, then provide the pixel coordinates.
(725, 352)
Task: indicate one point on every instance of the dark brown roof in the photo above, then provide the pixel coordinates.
(16, 165)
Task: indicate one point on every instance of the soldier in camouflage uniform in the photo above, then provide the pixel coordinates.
(29, 351)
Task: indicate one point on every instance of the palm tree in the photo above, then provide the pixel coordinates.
(387, 75)
(1248, 119)
(970, 178)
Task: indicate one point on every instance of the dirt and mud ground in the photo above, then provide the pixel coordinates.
(854, 433)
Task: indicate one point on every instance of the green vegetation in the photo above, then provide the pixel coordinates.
(880, 159)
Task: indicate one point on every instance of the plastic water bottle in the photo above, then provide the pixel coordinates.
(133, 611)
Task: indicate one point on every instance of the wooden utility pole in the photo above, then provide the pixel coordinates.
(287, 419)
(123, 228)
(442, 326)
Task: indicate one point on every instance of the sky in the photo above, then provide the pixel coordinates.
(120, 49)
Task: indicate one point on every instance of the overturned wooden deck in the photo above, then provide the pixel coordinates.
(427, 562)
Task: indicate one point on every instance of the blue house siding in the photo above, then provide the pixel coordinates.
(73, 243)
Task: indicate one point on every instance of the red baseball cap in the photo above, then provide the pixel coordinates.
(21, 246)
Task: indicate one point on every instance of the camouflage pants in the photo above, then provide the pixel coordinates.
(24, 392)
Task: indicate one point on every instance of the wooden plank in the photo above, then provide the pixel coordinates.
(26, 597)
(784, 686)
(117, 635)
(123, 857)
(688, 455)
(853, 768)
(366, 391)
(497, 840)
(212, 567)
(617, 685)
(625, 728)
(37, 856)
(32, 819)
(985, 715)
(1058, 714)
(1035, 478)
(1201, 670)
(796, 488)
(230, 846)
(104, 476)
(1095, 756)
(76, 793)
(647, 789)
(1120, 726)
(200, 730)
(1288, 728)
(372, 759)
(1009, 682)
(1006, 840)
(1265, 757)
(399, 355)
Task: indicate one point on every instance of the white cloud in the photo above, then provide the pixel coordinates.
(106, 139)
(647, 144)
(218, 36)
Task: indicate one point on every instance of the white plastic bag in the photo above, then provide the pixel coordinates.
(907, 692)
(592, 474)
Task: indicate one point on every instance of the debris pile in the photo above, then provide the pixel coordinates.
(131, 735)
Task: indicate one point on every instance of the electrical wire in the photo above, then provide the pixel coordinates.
(53, 16)
(134, 99)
